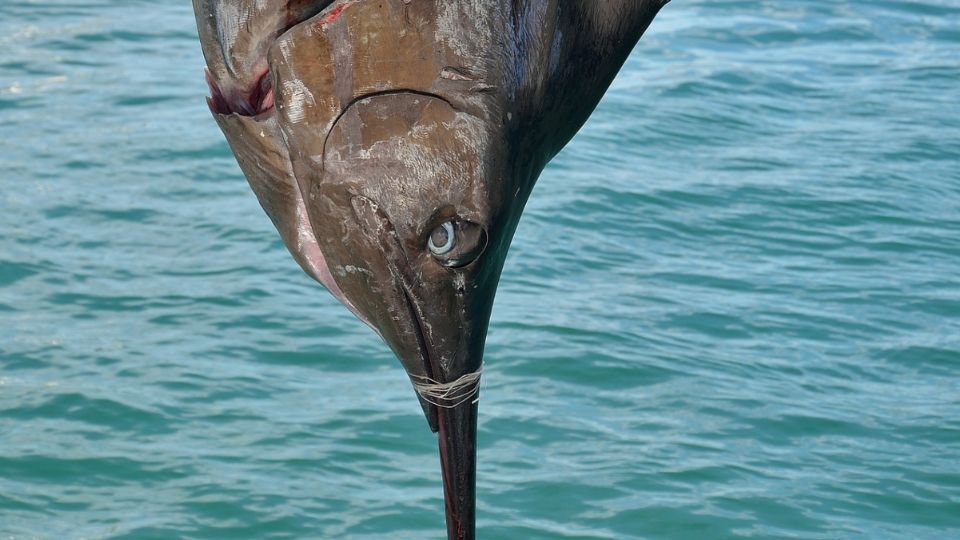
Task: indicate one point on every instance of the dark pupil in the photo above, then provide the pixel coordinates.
(440, 237)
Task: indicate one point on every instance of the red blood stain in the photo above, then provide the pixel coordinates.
(333, 15)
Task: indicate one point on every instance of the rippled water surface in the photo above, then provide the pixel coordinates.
(732, 309)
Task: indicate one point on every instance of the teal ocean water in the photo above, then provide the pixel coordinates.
(732, 309)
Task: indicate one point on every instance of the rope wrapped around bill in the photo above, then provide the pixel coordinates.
(448, 395)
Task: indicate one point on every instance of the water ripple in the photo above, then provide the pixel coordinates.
(731, 309)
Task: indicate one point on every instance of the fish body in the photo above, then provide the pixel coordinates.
(394, 144)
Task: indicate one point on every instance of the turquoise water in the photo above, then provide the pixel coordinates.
(732, 309)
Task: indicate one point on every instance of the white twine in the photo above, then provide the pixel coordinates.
(448, 395)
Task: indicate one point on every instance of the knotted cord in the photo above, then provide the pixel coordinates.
(448, 395)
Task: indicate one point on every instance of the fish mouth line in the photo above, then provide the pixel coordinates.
(456, 438)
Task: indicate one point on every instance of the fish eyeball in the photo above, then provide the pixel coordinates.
(456, 243)
(443, 238)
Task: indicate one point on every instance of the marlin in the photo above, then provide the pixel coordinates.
(394, 145)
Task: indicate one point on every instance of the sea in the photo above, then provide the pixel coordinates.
(731, 309)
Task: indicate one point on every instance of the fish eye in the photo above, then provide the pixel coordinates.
(442, 239)
(456, 243)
